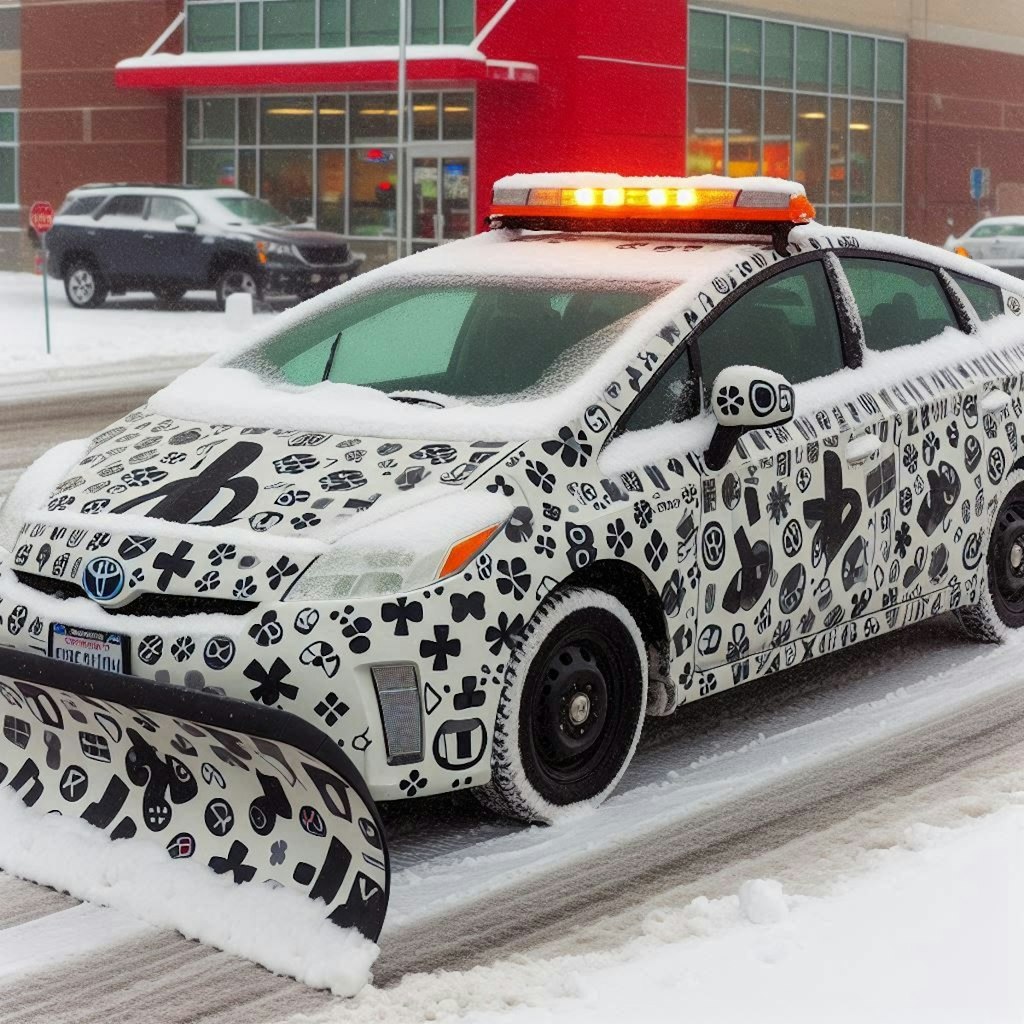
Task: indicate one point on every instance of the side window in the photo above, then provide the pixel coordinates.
(899, 304)
(984, 231)
(166, 208)
(124, 206)
(673, 398)
(986, 299)
(787, 324)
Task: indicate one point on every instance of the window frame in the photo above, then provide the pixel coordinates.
(849, 336)
(13, 145)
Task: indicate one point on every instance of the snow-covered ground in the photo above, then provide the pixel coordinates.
(126, 327)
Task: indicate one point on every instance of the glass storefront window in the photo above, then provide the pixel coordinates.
(211, 122)
(247, 171)
(426, 116)
(8, 158)
(426, 21)
(286, 182)
(374, 118)
(745, 50)
(331, 120)
(249, 26)
(778, 55)
(458, 21)
(247, 121)
(330, 192)
(457, 120)
(707, 45)
(333, 16)
(289, 25)
(811, 59)
(372, 202)
(211, 168)
(211, 27)
(793, 100)
(286, 120)
(705, 119)
(373, 23)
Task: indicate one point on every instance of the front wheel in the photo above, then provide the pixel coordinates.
(571, 709)
(83, 285)
(1000, 609)
(233, 281)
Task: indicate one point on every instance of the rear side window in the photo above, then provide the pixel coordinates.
(787, 324)
(124, 206)
(81, 205)
(899, 304)
(998, 231)
(986, 299)
(167, 208)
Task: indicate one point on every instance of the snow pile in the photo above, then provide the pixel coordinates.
(275, 927)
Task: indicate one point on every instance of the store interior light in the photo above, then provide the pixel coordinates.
(456, 110)
(378, 112)
(423, 107)
(331, 112)
(292, 111)
(813, 115)
(859, 126)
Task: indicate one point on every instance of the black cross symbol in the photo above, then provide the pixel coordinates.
(441, 648)
(173, 565)
(270, 688)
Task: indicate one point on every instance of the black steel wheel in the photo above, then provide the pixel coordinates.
(572, 708)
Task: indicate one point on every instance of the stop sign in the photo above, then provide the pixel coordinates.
(41, 217)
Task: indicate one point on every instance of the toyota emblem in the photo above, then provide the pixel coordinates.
(103, 578)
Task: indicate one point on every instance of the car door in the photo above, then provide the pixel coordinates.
(937, 420)
(173, 254)
(120, 248)
(777, 517)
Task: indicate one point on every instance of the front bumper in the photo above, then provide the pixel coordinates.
(312, 660)
(293, 278)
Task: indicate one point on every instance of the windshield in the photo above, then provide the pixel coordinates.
(248, 210)
(482, 342)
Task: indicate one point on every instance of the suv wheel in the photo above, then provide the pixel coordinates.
(83, 285)
(1000, 609)
(236, 280)
(571, 709)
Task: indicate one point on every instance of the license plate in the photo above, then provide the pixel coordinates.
(93, 648)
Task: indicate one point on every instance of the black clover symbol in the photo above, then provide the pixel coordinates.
(902, 540)
(280, 570)
(778, 502)
(331, 709)
(729, 400)
(620, 540)
(545, 545)
(643, 514)
(306, 520)
(183, 648)
(465, 606)
(412, 785)
(520, 525)
(343, 480)
(500, 485)
(208, 581)
(245, 587)
(295, 463)
(656, 550)
(268, 631)
(355, 630)
(513, 577)
(910, 458)
(222, 553)
(143, 477)
(540, 476)
(571, 449)
(401, 612)
(277, 852)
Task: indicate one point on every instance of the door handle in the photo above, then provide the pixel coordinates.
(994, 401)
(149, 238)
(861, 448)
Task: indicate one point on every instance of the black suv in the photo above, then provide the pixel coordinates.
(171, 239)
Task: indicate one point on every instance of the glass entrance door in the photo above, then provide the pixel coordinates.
(440, 198)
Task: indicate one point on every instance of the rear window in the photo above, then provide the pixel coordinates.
(899, 304)
(124, 206)
(79, 206)
(986, 299)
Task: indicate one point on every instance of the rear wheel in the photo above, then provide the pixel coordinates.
(83, 285)
(236, 280)
(572, 708)
(1000, 609)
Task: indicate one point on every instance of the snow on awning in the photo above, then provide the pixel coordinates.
(327, 66)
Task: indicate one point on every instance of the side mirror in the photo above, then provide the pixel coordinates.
(186, 222)
(745, 398)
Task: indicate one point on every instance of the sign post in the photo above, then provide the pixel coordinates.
(981, 184)
(41, 219)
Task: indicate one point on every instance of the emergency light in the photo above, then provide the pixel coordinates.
(708, 204)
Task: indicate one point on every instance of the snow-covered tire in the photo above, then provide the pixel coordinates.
(571, 709)
(84, 285)
(1000, 609)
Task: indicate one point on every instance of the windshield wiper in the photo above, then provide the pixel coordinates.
(330, 358)
(416, 400)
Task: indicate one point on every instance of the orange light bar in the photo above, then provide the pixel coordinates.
(654, 203)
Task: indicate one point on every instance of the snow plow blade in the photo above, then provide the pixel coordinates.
(255, 793)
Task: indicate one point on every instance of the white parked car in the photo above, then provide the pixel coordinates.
(995, 241)
(467, 520)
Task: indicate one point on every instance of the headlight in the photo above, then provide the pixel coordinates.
(266, 249)
(406, 551)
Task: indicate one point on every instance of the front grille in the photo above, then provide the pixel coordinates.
(164, 606)
(324, 254)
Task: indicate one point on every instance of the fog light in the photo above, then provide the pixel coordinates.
(398, 694)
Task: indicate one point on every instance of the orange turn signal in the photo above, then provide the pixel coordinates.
(961, 251)
(463, 551)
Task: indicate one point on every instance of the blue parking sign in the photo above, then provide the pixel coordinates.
(980, 178)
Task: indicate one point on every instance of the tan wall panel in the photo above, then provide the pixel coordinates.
(10, 69)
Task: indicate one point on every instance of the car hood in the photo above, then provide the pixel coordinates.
(290, 234)
(155, 493)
